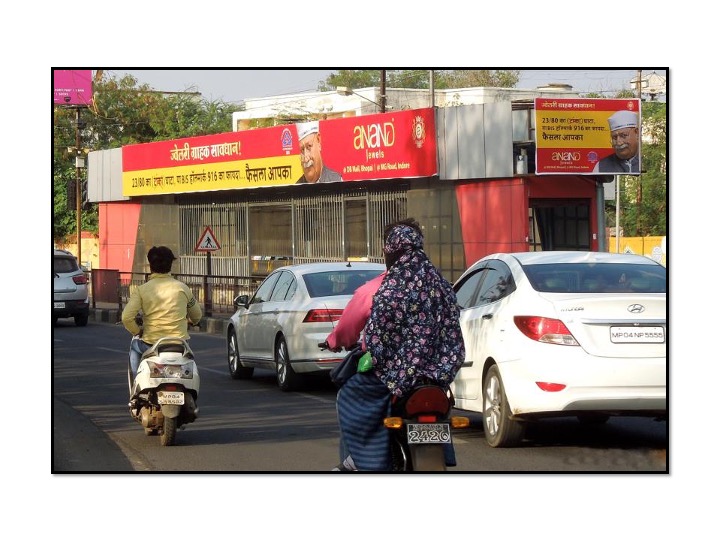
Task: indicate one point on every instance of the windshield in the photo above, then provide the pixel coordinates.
(597, 278)
(336, 283)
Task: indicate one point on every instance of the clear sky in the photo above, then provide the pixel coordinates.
(235, 85)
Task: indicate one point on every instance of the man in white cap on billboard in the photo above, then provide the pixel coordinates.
(311, 157)
(625, 137)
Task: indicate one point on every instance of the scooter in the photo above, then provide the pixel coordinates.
(164, 393)
(421, 425)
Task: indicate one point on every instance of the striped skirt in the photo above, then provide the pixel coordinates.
(362, 403)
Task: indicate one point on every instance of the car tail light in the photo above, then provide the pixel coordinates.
(80, 280)
(323, 315)
(545, 330)
(550, 386)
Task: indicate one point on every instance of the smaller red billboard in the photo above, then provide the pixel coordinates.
(587, 136)
(72, 87)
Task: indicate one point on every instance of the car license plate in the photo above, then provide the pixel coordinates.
(637, 334)
(428, 433)
(171, 398)
(58, 305)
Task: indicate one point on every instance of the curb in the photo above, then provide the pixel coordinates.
(209, 325)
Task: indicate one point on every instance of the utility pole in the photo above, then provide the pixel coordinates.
(639, 178)
(78, 186)
(382, 91)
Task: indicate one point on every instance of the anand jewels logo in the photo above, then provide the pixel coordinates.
(418, 131)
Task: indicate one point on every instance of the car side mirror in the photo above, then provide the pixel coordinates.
(241, 300)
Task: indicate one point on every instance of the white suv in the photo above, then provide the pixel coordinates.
(70, 288)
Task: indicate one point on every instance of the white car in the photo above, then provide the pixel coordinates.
(556, 333)
(70, 289)
(293, 310)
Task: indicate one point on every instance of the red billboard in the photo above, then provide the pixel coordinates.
(587, 136)
(398, 144)
(72, 87)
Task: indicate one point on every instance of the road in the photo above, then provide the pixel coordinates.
(251, 426)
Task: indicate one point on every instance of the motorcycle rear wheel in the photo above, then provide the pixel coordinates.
(167, 438)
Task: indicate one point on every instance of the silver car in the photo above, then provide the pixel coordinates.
(70, 289)
(293, 310)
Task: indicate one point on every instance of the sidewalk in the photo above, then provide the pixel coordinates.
(109, 313)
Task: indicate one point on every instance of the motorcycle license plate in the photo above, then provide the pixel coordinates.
(171, 398)
(428, 433)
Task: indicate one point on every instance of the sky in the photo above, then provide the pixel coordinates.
(234, 86)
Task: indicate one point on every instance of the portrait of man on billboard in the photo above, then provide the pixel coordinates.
(625, 139)
(311, 160)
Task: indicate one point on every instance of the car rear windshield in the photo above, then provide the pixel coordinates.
(64, 265)
(337, 283)
(597, 278)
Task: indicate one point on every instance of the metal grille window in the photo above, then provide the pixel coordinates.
(257, 235)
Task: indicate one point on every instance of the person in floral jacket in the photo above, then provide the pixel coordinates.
(413, 334)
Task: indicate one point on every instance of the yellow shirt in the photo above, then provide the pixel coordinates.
(166, 304)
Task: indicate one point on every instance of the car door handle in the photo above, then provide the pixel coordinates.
(487, 316)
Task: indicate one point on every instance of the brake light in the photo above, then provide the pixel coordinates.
(545, 330)
(80, 280)
(323, 315)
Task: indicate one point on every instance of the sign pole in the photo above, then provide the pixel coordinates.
(208, 301)
(207, 243)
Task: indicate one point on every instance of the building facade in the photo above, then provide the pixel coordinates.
(464, 168)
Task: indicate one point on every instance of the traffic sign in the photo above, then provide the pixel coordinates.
(207, 241)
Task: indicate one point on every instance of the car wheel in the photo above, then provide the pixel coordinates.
(594, 419)
(237, 371)
(501, 431)
(287, 379)
(81, 320)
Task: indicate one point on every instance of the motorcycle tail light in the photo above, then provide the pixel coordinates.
(323, 315)
(545, 330)
(427, 418)
(427, 400)
(170, 371)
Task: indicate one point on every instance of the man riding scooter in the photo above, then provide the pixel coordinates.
(166, 305)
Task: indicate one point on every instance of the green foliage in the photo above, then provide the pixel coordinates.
(420, 78)
(643, 199)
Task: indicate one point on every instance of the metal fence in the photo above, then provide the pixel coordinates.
(215, 293)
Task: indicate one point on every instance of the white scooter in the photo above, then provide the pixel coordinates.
(164, 393)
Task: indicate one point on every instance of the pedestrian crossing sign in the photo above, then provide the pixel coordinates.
(207, 241)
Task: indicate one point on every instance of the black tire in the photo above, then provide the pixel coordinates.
(81, 320)
(287, 379)
(237, 371)
(167, 438)
(501, 431)
(399, 457)
(55, 320)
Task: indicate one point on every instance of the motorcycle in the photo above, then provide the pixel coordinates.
(164, 393)
(420, 423)
(421, 426)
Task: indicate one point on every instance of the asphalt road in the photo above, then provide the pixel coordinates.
(251, 426)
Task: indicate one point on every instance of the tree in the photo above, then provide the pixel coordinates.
(643, 198)
(420, 78)
(123, 113)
